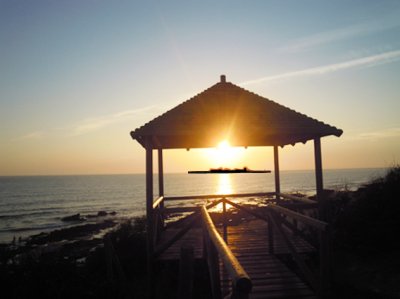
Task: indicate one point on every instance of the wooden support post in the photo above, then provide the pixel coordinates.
(109, 263)
(276, 172)
(213, 267)
(149, 198)
(270, 234)
(161, 185)
(295, 223)
(186, 272)
(149, 217)
(225, 222)
(324, 263)
(160, 174)
(318, 177)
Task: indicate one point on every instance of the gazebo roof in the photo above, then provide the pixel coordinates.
(228, 112)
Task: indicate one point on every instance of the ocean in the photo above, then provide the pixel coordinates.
(34, 204)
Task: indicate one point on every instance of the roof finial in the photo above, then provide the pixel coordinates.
(223, 78)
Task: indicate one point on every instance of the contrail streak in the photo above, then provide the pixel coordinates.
(383, 58)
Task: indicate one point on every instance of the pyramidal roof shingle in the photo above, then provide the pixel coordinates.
(228, 112)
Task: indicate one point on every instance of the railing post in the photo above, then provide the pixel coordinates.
(186, 270)
(237, 293)
(149, 218)
(324, 262)
(295, 223)
(270, 234)
(213, 267)
(161, 184)
(225, 223)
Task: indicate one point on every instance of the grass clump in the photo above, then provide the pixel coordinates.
(365, 227)
(369, 219)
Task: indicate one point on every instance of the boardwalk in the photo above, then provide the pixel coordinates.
(270, 277)
(249, 243)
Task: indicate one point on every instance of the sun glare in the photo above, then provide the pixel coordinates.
(223, 145)
(224, 154)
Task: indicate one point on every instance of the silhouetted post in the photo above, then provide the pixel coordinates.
(276, 171)
(224, 221)
(318, 177)
(186, 272)
(149, 214)
(210, 254)
(161, 183)
(270, 234)
(324, 263)
(160, 175)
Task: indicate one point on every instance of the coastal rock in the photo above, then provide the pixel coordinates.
(75, 217)
(101, 214)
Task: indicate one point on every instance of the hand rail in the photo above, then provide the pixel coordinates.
(242, 284)
(158, 202)
(210, 196)
(297, 257)
(162, 247)
(322, 285)
(320, 225)
(296, 198)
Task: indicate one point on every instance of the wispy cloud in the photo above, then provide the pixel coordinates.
(352, 31)
(373, 60)
(33, 135)
(384, 133)
(96, 123)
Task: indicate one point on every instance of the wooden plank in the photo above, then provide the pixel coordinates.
(271, 278)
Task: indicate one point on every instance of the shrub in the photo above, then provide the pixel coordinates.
(369, 223)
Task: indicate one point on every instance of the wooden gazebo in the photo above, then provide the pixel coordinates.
(227, 112)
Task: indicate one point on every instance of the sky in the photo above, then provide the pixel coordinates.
(77, 76)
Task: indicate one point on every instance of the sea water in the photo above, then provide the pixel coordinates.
(34, 204)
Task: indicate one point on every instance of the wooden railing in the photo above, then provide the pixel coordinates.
(320, 282)
(216, 247)
(277, 218)
(160, 212)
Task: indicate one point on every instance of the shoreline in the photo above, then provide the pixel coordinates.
(74, 242)
(32, 205)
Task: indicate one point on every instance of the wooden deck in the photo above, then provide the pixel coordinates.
(270, 277)
(249, 243)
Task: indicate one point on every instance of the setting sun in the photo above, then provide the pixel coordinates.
(223, 145)
(224, 154)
